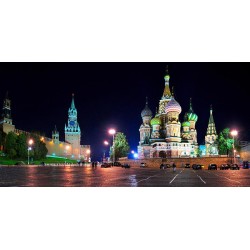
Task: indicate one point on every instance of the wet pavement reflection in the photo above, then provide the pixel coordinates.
(75, 176)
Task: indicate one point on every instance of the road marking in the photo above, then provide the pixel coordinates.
(228, 178)
(181, 171)
(147, 178)
(201, 179)
(173, 179)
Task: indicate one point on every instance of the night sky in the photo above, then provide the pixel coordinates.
(113, 95)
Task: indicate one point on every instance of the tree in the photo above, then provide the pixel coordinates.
(2, 139)
(121, 146)
(21, 146)
(11, 145)
(39, 148)
(225, 142)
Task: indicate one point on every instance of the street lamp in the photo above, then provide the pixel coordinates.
(106, 143)
(234, 133)
(30, 143)
(112, 132)
(88, 154)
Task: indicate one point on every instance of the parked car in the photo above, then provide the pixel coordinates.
(125, 166)
(197, 166)
(106, 165)
(245, 165)
(187, 165)
(164, 166)
(212, 167)
(224, 167)
(117, 164)
(234, 167)
(143, 165)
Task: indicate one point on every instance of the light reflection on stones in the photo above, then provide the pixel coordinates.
(133, 181)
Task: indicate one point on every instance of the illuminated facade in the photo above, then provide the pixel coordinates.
(71, 148)
(164, 135)
(211, 136)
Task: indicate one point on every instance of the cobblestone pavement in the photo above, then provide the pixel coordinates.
(34, 176)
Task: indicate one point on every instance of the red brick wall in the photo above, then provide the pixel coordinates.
(156, 162)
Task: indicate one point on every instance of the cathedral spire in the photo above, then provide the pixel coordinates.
(167, 93)
(191, 106)
(173, 91)
(211, 118)
(211, 130)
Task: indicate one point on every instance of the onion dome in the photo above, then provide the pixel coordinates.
(173, 106)
(190, 114)
(155, 121)
(146, 111)
(186, 124)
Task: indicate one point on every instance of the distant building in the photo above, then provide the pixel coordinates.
(71, 148)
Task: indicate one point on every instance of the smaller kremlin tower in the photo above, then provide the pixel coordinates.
(6, 124)
(55, 136)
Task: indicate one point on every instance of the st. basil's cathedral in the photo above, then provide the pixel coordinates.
(165, 136)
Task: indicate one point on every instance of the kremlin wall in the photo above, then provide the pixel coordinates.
(70, 148)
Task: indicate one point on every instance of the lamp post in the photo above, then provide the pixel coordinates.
(234, 133)
(113, 132)
(106, 143)
(88, 155)
(30, 143)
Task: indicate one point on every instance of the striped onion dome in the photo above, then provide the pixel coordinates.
(173, 106)
(191, 116)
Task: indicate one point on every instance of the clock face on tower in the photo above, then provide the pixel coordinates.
(72, 123)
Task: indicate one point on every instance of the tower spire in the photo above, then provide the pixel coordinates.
(167, 70)
(172, 91)
(190, 106)
(167, 92)
(73, 102)
(211, 124)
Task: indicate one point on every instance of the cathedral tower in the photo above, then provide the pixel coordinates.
(145, 129)
(73, 131)
(173, 126)
(166, 97)
(6, 119)
(192, 118)
(211, 136)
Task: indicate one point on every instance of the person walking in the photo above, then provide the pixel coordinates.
(174, 167)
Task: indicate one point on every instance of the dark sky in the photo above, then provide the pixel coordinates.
(113, 95)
